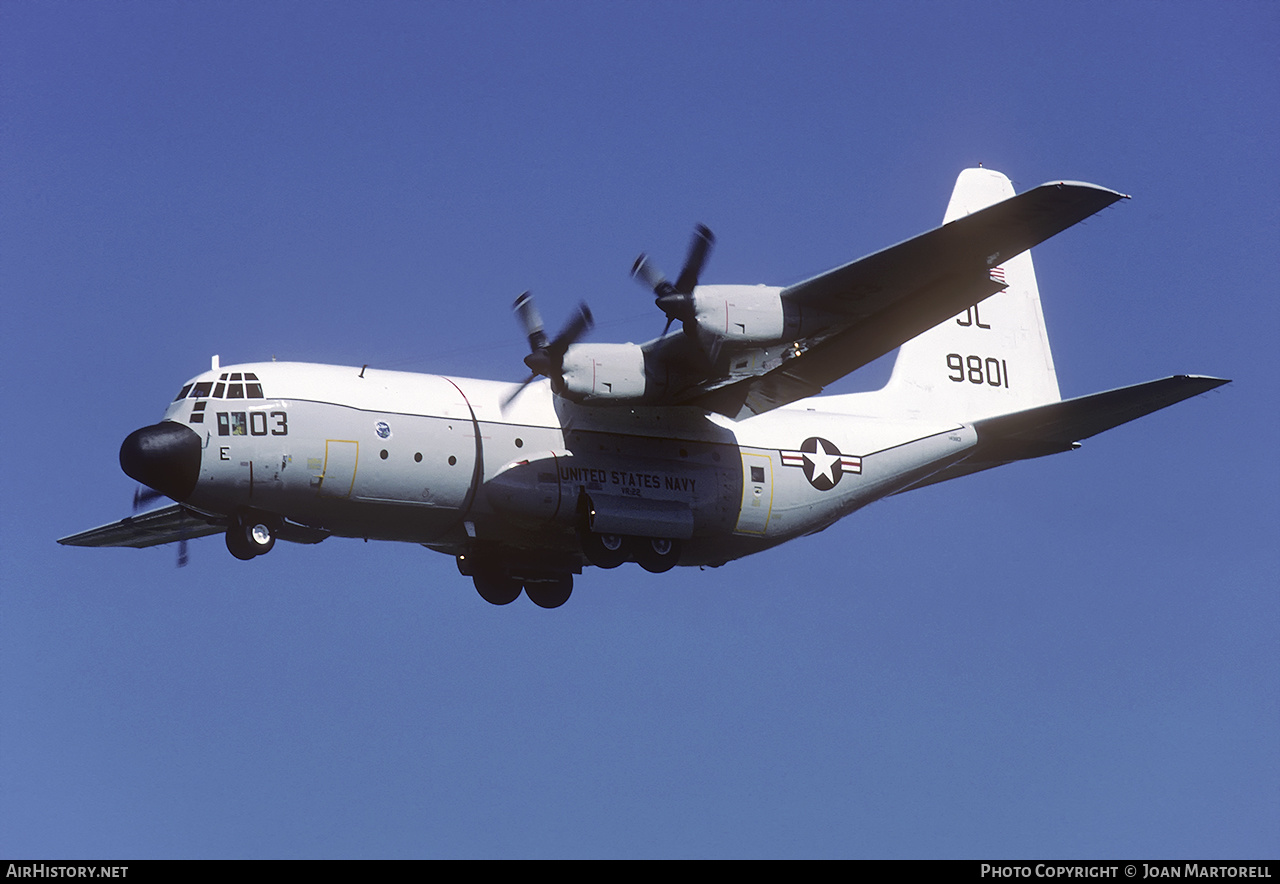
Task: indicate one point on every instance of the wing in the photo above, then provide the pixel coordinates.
(173, 523)
(1059, 426)
(856, 313)
(165, 525)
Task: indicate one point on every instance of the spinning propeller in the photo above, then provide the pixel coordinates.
(546, 355)
(677, 300)
(142, 497)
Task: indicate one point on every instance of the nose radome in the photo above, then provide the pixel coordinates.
(164, 456)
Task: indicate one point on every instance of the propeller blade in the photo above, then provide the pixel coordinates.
(143, 496)
(531, 319)
(546, 356)
(699, 248)
(645, 271)
(676, 301)
(511, 397)
(578, 325)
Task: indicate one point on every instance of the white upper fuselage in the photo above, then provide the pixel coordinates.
(414, 457)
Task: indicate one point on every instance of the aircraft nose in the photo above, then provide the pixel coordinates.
(164, 456)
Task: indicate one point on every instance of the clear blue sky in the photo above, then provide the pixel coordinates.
(1070, 657)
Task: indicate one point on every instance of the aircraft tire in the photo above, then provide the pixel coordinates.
(550, 593)
(603, 550)
(259, 536)
(496, 587)
(655, 554)
(237, 544)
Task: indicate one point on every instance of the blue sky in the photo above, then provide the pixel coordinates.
(1070, 657)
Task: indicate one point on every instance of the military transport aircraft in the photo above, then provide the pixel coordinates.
(699, 447)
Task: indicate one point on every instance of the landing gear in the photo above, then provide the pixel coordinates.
(655, 554)
(496, 587)
(603, 550)
(551, 592)
(499, 580)
(251, 534)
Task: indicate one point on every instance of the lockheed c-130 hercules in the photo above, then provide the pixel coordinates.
(701, 446)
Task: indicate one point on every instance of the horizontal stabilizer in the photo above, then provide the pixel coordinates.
(1058, 426)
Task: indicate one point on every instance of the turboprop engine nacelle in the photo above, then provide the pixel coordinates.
(740, 314)
(604, 371)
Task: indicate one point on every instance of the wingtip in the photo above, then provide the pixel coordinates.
(1085, 185)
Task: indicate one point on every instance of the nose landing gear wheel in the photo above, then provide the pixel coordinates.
(249, 535)
(237, 545)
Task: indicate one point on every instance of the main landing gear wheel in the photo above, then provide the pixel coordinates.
(250, 535)
(655, 554)
(550, 593)
(603, 550)
(496, 587)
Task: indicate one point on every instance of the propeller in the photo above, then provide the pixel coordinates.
(143, 496)
(676, 301)
(182, 540)
(546, 355)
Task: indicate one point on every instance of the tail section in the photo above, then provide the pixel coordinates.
(992, 359)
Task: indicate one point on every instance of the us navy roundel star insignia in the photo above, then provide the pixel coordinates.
(822, 462)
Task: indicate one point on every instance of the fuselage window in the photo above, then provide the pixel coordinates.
(234, 424)
(197, 412)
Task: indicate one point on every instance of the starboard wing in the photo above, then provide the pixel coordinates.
(877, 303)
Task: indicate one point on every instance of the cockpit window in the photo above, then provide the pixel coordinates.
(220, 390)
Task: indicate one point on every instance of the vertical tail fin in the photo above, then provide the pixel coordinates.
(994, 358)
